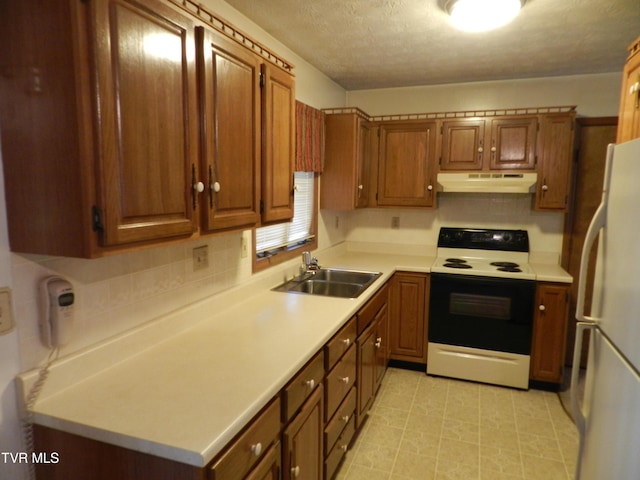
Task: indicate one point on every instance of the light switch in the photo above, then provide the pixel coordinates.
(6, 312)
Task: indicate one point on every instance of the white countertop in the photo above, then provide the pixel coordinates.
(186, 395)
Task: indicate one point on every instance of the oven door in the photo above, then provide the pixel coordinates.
(482, 312)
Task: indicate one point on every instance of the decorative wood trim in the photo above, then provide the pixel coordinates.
(459, 114)
(223, 26)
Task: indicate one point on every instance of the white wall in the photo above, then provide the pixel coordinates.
(595, 95)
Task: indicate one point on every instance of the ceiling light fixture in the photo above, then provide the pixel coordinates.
(482, 15)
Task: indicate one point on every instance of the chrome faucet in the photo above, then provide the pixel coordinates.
(309, 263)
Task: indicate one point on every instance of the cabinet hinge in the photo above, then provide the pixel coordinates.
(96, 219)
(262, 81)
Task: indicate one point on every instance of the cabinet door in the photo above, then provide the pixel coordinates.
(555, 150)
(148, 127)
(405, 167)
(363, 164)
(278, 143)
(381, 345)
(407, 317)
(366, 364)
(230, 124)
(513, 143)
(629, 116)
(345, 177)
(462, 145)
(302, 441)
(549, 332)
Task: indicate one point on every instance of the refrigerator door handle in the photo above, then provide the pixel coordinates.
(578, 414)
(593, 231)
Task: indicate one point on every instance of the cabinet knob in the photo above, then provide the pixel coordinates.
(310, 383)
(544, 188)
(198, 187)
(215, 187)
(542, 308)
(634, 88)
(429, 187)
(344, 447)
(256, 449)
(346, 342)
(378, 342)
(344, 379)
(295, 471)
(345, 419)
(480, 149)
(360, 187)
(493, 149)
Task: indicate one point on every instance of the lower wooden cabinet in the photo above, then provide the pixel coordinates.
(408, 312)
(373, 351)
(549, 332)
(302, 454)
(270, 467)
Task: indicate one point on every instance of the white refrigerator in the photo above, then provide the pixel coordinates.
(608, 413)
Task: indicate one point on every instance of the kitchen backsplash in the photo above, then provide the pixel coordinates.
(117, 293)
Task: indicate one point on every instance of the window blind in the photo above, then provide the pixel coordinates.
(285, 235)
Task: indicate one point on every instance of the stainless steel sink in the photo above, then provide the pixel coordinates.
(330, 282)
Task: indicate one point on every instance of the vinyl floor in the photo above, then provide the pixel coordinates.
(425, 428)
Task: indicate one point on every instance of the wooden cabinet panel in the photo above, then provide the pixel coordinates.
(373, 353)
(245, 452)
(148, 152)
(555, 155)
(301, 386)
(342, 417)
(629, 114)
(337, 453)
(302, 441)
(339, 381)
(406, 173)
(408, 317)
(269, 467)
(462, 145)
(230, 125)
(340, 343)
(278, 144)
(513, 143)
(345, 177)
(549, 332)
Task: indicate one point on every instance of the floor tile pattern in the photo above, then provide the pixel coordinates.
(430, 428)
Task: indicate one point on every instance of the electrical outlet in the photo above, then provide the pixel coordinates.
(200, 258)
(6, 312)
(244, 247)
(395, 222)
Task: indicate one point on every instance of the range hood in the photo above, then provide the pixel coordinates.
(487, 182)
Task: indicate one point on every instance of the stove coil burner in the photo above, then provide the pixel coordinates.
(507, 266)
(456, 263)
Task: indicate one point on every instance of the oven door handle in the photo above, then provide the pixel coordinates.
(597, 223)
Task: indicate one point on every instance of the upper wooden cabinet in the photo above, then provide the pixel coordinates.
(345, 176)
(230, 79)
(278, 144)
(629, 115)
(108, 141)
(555, 157)
(406, 164)
(501, 143)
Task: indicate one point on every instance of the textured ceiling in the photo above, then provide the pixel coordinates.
(364, 44)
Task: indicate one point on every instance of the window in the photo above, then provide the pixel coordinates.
(277, 243)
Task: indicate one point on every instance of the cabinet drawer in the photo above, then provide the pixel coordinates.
(339, 381)
(343, 416)
(298, 389)
(249, 447)
(340, 448)
(340, 343)
(368, 312)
